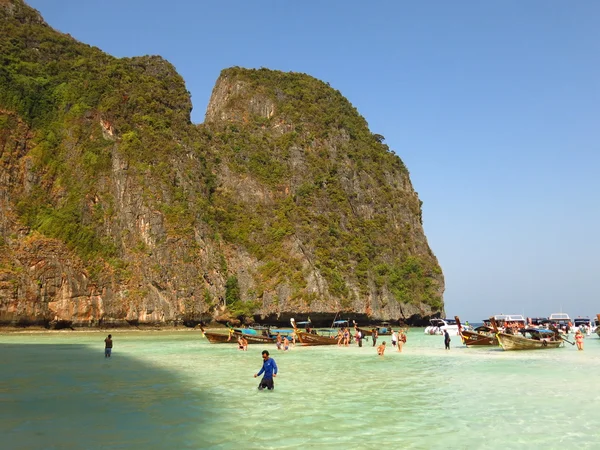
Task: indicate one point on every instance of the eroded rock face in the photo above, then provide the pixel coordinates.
(233, 100)
(123, 213)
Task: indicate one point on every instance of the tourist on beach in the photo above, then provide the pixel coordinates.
(381, 349)
(108, 344)
(278, 341)
(394, 338)
(579, 339)
(446, 339)
(286, 344)
(269, 368)
(374, 336)
(346, 337)
(242, 343)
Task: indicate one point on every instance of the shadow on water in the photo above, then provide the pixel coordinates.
(61, 396)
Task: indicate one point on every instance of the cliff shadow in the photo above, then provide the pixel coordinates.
(64, 396)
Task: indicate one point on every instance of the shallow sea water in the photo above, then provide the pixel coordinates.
(174, 390)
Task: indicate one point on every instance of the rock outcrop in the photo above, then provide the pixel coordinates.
(115, 210)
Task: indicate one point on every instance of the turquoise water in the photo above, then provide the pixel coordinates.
(175, 390)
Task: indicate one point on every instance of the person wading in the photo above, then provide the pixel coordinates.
(108, 345)
(269, 368)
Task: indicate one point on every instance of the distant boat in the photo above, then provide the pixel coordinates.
(539, 321)
(561, 321)
(559, 317)
(585, 322)
(438, 326)
(507, 320)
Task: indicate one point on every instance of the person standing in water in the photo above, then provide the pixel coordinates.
(108, 344)
(394, 338)
(242, 343)
(381, 349)
(269, 368)
(401, 339)
(579, 339)
(358, 336)
(446, 339)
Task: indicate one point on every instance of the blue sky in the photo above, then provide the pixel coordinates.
(493, 106)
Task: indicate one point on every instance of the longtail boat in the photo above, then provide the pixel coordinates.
(385, 329)
(220, 338)
(231, 337)
(255, 338)
(529, 338)
(480, 336)
(307, 338)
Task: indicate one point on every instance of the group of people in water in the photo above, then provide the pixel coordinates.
(344, 338)
(398, 340)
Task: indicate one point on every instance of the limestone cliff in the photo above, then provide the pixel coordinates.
(115, 209)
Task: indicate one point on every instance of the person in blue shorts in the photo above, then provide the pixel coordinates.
(108, 343)
(269, 369)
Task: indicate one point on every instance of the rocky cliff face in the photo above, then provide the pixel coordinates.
(116, 210)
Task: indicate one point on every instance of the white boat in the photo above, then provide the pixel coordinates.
(561, 320)
(512, 320)
(559, 317)
(438, 326)
(585, 324)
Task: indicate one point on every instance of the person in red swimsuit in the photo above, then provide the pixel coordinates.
(579, 339)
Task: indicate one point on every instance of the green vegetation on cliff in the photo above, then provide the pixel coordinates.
(285, 176)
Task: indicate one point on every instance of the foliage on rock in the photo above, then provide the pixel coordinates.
(283, 201)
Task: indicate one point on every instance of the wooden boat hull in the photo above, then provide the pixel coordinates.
(220, 338)
(254, 338)
(515, 342)
(473, 338)
(314, 339)
(232, 338)
(366, 332)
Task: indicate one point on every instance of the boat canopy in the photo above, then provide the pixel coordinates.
(543, 331)
(582, 321)
(539, 320)
(248, 331)
(442, 322)
(559, 316)
(509, 318)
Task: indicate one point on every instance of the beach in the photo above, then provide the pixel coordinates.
(165, 389)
